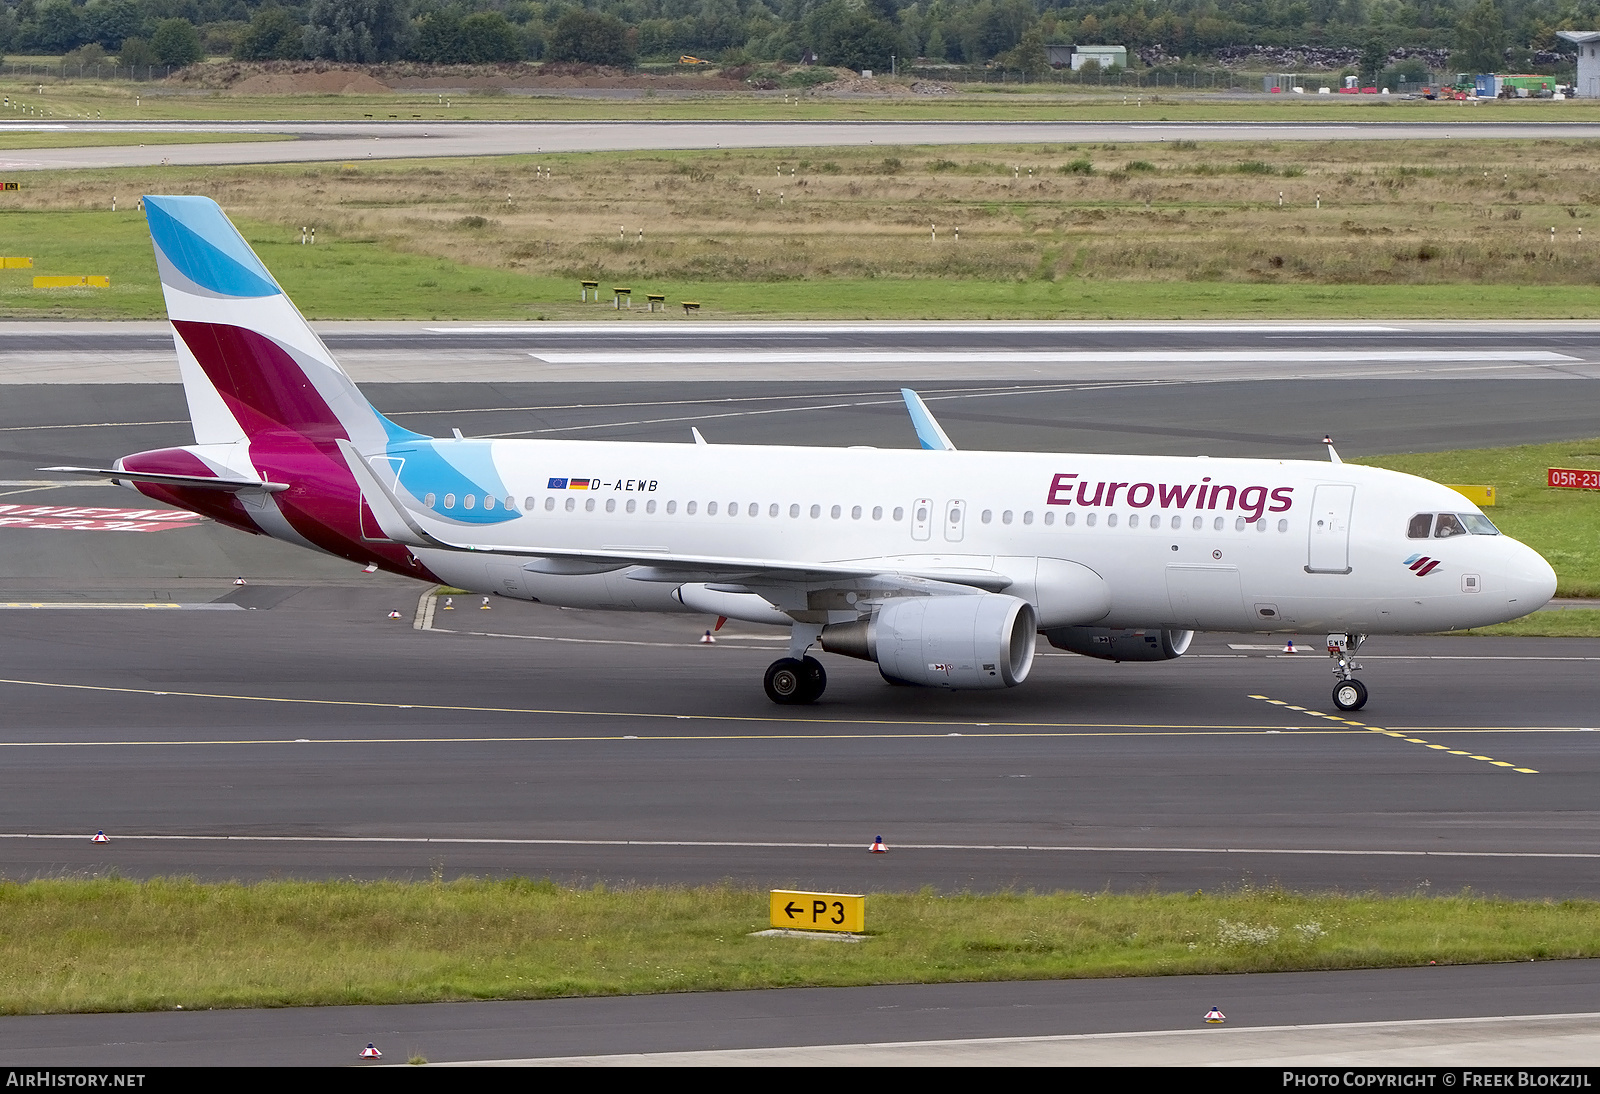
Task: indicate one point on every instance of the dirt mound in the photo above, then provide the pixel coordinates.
(866, 85)
(281, 78)
(327, 78)
(332, 82)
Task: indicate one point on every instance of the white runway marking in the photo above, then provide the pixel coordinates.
(853, 845)
(1498, 1041)
(934, 326)
(755, 356)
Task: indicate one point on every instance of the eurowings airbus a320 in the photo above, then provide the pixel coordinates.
(940, 566)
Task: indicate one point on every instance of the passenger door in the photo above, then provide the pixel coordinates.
(1329, 549)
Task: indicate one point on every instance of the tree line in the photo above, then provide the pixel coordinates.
(1483, 34)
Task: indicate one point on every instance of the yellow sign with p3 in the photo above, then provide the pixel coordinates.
(800, 911)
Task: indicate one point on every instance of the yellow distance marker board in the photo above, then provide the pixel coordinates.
(797, 911)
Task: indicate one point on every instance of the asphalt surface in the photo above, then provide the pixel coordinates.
(403, 139)
(314, 736)
(794, 1017)
(663, 348)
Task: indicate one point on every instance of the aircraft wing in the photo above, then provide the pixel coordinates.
(401, 526)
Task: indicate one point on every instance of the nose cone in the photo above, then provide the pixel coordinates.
(1530, 582)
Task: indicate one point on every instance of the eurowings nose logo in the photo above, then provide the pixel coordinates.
(1422, 565)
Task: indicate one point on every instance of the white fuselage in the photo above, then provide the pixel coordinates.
(1186, 542)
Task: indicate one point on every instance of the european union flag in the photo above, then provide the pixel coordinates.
(557, 484)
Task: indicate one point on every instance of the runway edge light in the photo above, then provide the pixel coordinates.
(877, 847)
(371, 1052)
(1215, 1016)
(100, 837)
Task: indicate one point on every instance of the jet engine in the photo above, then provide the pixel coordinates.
(984, 640)
(1116, 644)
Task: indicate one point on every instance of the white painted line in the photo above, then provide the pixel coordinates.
(854, 845)
(1216, 1036)
(114, 605)
(754, 356)
(700, 330)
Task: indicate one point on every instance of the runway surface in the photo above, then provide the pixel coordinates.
(1422, 1016)
(314, 736)
(405, 139)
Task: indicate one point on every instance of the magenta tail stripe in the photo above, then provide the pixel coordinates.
(250, 369)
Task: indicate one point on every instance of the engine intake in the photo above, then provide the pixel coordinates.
(959, 642)
(1116, 644)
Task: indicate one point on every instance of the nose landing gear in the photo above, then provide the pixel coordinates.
(1349, 693)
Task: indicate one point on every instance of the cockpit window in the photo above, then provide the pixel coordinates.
(1448, 525)
(1420, 526)
(1478, 524)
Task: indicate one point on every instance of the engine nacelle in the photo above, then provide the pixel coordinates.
(984, 640)
(1116, 644)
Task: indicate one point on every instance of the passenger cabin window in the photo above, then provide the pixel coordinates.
(1420, 526)
(899, 512)
(469, 500)
(449, 501)
(428, 501)
(1448, 525)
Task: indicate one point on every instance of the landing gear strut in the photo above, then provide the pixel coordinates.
(792, 681)
(1349, 693)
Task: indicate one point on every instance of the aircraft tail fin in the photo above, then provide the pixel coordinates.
(251, 364)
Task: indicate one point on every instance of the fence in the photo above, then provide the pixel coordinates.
(95, 72)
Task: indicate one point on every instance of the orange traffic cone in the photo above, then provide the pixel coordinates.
(371, 1052)
(100, 837)
(877, 847)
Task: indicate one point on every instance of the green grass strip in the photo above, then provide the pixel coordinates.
(117, 945)
(355, 278)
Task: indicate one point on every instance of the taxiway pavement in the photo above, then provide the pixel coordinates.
(423, 138)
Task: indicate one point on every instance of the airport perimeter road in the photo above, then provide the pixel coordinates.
(402, 139)
(1511, 1014)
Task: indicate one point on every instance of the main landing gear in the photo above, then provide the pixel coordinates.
(791, 681)
(1349, 693)
(797, 679)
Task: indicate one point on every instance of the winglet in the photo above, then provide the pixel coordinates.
(929, 435)
(1333, 456)
(698, 439)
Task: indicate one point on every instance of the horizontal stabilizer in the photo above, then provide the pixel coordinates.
(202, 482)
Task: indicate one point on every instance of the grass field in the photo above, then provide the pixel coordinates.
(108, 945)
(160, 101)
(1562, 525)
(1176, 230)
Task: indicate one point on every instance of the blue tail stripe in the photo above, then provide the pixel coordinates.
(206, 248)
